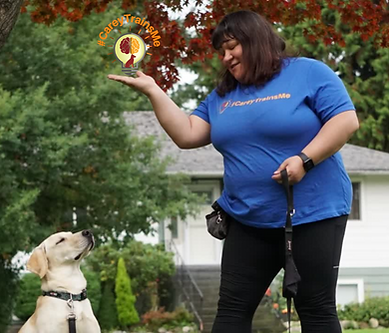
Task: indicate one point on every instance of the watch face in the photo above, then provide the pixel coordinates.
(308, 165)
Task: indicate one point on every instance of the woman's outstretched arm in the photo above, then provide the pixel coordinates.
(186, 131)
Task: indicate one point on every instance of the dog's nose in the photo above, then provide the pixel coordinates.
(87, 233)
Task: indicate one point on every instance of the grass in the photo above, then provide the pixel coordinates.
(386, 330)
(366, 331)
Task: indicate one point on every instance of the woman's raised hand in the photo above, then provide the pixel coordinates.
(143, 83)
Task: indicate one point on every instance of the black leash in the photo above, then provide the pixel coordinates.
(291, 275)
(72, 324)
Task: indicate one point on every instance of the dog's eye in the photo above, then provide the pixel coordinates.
(60, 241)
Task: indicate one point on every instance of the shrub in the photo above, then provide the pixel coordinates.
(107, 314)
(7, 293)
(277, 302)
(143, 301)
(375, 307)
(94, 288)
(28, 292)
(125, 299)
(160, 318)
(30, 289)
(145, 263)
(166, 292)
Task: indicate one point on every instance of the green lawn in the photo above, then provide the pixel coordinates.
(386, 330)
(366, 331)
(363, 331)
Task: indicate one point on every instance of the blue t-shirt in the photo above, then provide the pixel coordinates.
(256, 129)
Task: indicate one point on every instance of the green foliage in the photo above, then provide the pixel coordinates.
(8, 279)
(192, 328)
(364, 69)
(64, 143)
(125, 299)
(93, 288)
(375, 307)
(145, 264)
(66, 55)
(28, 292)
(166, 293)
(208, 75)
(277, 302)
(153, 320)
(366, 331)
(104, 260)
(107, 315)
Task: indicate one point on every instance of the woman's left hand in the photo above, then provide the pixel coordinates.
(294, 167)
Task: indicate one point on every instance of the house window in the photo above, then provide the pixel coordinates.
(174, 227)
(355, 213)
(208, 196)
(350, 291)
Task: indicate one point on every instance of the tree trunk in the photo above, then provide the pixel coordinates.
(9, 12)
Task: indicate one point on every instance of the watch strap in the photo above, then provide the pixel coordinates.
(307, 162)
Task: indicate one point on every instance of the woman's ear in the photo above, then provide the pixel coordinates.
(37, 263)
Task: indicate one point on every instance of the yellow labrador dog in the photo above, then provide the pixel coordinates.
(63, 308)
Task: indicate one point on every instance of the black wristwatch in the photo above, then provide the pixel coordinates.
(307, 162)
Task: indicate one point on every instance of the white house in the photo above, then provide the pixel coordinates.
(365, 258)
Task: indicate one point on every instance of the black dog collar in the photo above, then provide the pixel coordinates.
(66, 296)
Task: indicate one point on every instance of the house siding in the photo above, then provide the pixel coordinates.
(375, 279)
(366, 242)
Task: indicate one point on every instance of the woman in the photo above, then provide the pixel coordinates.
(269, 113)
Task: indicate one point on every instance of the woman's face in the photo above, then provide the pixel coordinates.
(232, 53)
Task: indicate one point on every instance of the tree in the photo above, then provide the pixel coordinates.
(367, 17)
(362, 66)
(64, 144)
(29, 290)
(93, 288)
(107, 315)
(9, 12)
(145, 264)
(125, 299)
(7, 290)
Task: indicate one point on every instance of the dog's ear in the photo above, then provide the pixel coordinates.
(38, 262)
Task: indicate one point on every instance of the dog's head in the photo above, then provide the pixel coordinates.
(62, 248)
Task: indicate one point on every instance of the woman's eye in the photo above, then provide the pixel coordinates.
(60, 241)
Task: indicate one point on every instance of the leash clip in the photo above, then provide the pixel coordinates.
(70, 304)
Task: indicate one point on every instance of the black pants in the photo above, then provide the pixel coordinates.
(251, 259)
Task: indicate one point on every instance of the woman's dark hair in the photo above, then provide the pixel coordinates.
(263, 50)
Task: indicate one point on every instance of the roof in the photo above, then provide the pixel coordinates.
(208, 162)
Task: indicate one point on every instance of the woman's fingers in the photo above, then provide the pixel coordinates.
(121, 78)
(142, 82)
